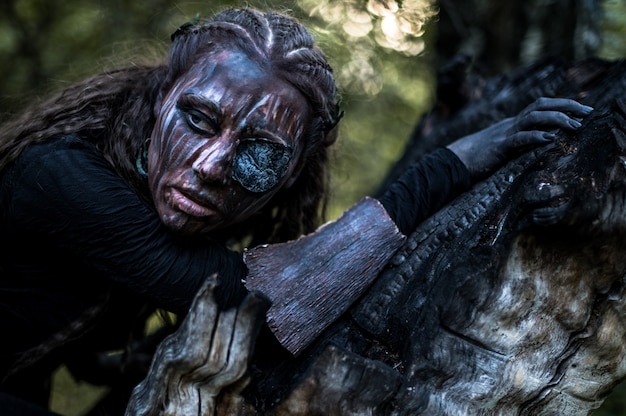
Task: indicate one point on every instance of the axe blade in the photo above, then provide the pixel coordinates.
(311, 281)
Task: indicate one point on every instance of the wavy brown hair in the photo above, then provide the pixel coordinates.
(115, 110)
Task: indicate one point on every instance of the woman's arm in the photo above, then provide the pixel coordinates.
(439, 177)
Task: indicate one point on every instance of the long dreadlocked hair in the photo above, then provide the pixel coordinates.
(115, 110)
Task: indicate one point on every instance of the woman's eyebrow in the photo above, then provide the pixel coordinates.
(192, 99)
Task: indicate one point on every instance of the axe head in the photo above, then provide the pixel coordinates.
(311, 281)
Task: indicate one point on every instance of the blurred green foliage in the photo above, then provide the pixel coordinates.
(382, 56)
(613, 29)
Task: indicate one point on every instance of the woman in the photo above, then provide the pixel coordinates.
(122, 193)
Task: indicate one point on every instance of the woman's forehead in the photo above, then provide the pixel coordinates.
(230, 71)
(230, 63)
(234, 82)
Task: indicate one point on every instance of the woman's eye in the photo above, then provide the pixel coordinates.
(200, 123)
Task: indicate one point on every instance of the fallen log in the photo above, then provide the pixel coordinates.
(510, 300)
(202, 366)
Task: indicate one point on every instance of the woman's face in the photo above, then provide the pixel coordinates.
(227, 137)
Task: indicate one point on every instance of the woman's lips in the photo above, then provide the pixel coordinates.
(189, 206)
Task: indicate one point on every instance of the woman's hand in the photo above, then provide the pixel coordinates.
(486, 150)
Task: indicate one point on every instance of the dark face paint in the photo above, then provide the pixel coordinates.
(228, 137)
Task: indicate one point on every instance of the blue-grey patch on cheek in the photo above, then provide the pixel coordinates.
(260, 164)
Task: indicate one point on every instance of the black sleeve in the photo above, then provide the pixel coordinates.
(424, 188)
(69, 196)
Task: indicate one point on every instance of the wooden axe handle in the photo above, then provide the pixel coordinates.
(311, 281)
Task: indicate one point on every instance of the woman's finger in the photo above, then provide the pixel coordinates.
(552, 119)
(565, 105)
(526, 139)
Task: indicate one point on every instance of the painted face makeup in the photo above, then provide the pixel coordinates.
(228, 137)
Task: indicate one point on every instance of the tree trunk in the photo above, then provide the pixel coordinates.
(510, 300)
(502, 36)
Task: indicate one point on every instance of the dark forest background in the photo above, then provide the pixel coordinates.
(386, 54)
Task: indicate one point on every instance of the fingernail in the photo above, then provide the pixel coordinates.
(575, 123)
(586, 109)
(549, 136)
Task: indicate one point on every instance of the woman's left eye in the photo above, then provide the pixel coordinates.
(200, 122)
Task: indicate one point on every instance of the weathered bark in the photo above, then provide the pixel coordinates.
(510, 300)
(291, 274)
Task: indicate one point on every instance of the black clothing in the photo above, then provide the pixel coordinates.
(12, 406)
(424, 188)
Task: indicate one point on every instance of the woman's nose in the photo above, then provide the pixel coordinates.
(214, 162)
